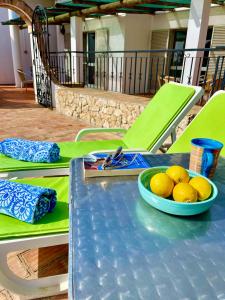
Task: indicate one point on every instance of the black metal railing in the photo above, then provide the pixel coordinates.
(140, 72)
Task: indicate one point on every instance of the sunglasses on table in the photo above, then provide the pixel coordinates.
(117, 160)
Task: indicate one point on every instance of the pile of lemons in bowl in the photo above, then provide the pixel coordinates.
(176, 183)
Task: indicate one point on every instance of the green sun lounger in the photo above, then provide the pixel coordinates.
(209, 123)
(159, 119)
(51, 230)
(54, 222)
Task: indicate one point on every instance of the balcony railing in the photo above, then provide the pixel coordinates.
(140, 72)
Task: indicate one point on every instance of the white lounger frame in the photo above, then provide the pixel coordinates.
(35, 288)
(35, 173)
(30, 289)
(171, 130)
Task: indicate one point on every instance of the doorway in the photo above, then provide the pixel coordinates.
(177, 58)
(89, 61)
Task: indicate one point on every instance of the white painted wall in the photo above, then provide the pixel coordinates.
(137, 37)
(6, 69)
(172, 20)
(217, 16)
(134, 31)
(196, 37)
(138, 32)
(52, 38)
(123, 34)
(14, 32)
(60, 39)
(67, 41)
(179, 19)
(26, 53)
(114, 27)
(116, 30)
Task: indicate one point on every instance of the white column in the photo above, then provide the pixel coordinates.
(16, 48)
(76, 36)
(196, 37)
(60, 39)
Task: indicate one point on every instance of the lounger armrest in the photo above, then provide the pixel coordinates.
(86, 131)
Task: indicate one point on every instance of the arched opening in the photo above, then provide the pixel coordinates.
(19, 7)
(15, 52)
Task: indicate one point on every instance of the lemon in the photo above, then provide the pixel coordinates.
(184, 192)
(178, 174)
(161, 185)
(202, 186)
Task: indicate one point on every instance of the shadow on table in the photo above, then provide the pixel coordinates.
(171, 226)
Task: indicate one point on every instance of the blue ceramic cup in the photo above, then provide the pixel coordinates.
(204, 156)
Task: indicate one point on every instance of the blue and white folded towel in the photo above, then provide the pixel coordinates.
(33, 151)
(25, 202)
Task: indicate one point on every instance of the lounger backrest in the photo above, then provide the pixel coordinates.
(209, 123)
(158, 115)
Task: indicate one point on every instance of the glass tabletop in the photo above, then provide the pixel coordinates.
(121, 248)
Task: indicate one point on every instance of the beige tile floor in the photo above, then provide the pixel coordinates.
(21, 117)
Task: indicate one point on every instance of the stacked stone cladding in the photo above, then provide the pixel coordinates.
(106, 109)
(99, 109)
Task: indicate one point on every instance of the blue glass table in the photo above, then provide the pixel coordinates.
(121, 248)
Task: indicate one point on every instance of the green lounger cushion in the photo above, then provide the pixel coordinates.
(55, 222)
(209, 123)
(143, 134)
(68, 150)
(158, 115)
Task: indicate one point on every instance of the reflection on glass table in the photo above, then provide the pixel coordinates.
(120, 248)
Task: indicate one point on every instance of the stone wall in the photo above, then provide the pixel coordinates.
(106, 109)
(99, 108)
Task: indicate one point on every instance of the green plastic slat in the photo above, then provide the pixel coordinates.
(154, 6)
(163, 108)
(157, 6)
(16, 21)
(209, 123)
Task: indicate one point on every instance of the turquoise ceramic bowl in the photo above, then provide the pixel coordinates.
(170, 206)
